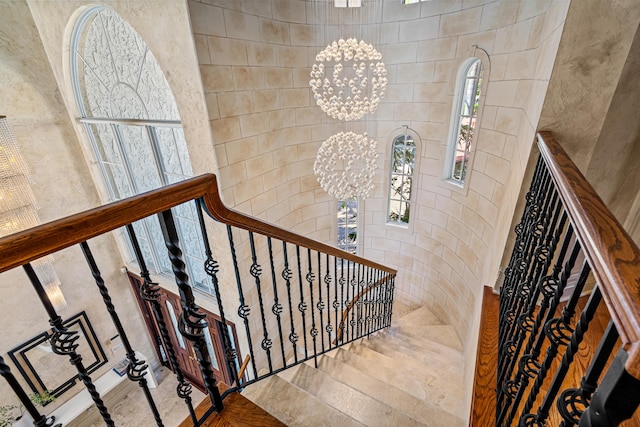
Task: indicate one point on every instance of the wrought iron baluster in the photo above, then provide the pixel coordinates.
(150, 291)
(616, 399)
(243, 310)
(192, 323)
(359, 302)
(540, 418)
(548, 286)
(327, 281)
(320, 304)
(353, 283)
(256, 271)
(534, 250)
(369, 318)
(64, 343)
(137, 369)
(211, 267)
(286, 275)
(342, 280)
(390, 300)
(302, 306)
(310, 277)
(39, 420)
(276, 309)
(574, 401)
(558, 331)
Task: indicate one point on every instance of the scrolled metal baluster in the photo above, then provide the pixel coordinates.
(310, 277)
(64, 342)
(574, 401)
(342, 281)
(353, 283)
(192, 322)
(256, 271)
(277, 308)
(302, 306)
(540, 418)
(327, 281)
(211, 268)
(243, 309)
(551, 287)
(150, 291)
(137, 369)
(39, 420)
(559, 332)
(287, 275)
(360, 302)
(320, 305)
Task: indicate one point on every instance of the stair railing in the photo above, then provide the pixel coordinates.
(567, 238)
(290, 291)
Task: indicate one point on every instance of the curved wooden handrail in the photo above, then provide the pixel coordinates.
(613, 256)
(355, 299)
(26, 246)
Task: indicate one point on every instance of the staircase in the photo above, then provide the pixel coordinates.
(408, 375)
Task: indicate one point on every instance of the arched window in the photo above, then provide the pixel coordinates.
(401, 172)
(132, 121)
(467, 103)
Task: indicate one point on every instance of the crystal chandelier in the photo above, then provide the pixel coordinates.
(18, 207)
(348, 79)
(346, 164)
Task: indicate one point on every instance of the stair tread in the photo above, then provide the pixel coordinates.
(350, 400)
(441, 392)
(427, 414)
(294, 406)
(445, 363)
(420, 316)
(443, 334)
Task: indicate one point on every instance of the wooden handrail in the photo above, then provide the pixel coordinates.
(612, 254)
(349, 307)
(29, 245)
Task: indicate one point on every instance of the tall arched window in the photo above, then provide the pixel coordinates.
(132, 121)
(401, 173)
(466, 106)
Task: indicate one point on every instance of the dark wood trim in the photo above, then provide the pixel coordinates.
(613, 256)
(238, 412)
(26, 246)
(483, 400)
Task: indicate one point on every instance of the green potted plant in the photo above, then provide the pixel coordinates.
(11, 413)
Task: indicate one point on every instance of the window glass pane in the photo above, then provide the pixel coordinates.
(465, 123)
(348, 225)
(174, 322)
(212, 353)
(402, 165)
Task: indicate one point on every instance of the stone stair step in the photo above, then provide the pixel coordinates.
(347, 398)
(294, 406)
(425, 413)
(424, 385)
(443, 334)
(441, 358)
(419, 317)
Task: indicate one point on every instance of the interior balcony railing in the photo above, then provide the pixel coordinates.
(573, 266)
(291, 298)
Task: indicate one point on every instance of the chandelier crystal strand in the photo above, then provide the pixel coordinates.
(348, 79)
(346, 164)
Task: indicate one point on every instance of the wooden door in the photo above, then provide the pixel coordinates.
(185, 354)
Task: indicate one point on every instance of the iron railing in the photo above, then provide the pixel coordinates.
(568, 245)
(295, 298)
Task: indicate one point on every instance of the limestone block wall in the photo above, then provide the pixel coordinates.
(255, 59)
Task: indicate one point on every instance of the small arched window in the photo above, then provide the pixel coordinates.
(403, 162)
(467, 103)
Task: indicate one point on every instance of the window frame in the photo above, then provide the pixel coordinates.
(358, 226)
(403, 132)
(152, 128)
(456, 118)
